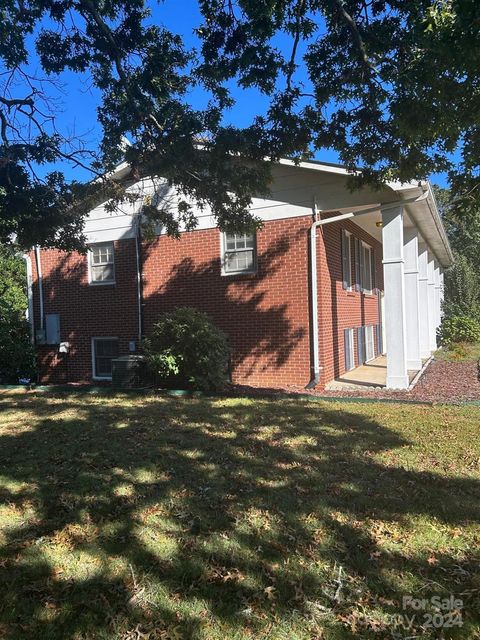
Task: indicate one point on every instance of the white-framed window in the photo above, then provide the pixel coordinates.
(101, 263)
(349, 349)
(366, 267)
(239, 253)
(369, 343)
(347, 260)
(104, 350)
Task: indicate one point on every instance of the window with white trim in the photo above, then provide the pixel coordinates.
(101, 260)
(369, 343)
(366, 262)
(349, 349)
(347, 260)
(104, 350)
(239, 253)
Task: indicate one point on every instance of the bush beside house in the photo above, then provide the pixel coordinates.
(458, 329)
(186, 350)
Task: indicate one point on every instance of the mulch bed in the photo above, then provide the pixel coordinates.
(442, 381)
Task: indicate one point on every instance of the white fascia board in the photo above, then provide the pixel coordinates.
(426, 217)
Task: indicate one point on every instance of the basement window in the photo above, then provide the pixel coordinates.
(239, 253)
(104, 350)
(349, 349)
(369, 343)
(101, 263)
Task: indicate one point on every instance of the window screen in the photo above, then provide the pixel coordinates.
(239, 253)
(102, 266)
(347, 260)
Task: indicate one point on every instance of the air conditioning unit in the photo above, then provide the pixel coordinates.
(126, 372)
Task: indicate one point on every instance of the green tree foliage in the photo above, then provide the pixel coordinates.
(186, 350)
(462, 279)
(462, 289)
(392, 86)
(16, 351)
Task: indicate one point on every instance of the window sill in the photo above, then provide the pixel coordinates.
(110, 283)
(102, 378)
(229, 274)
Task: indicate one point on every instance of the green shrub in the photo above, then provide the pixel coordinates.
(186, 350)
(457, 329)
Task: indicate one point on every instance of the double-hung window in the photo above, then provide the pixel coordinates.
(367, 268)
(101, 263)
(104, 350)
(347, 260)
(364, 267)
(239, 253)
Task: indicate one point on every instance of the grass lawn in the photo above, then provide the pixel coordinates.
(133, 518)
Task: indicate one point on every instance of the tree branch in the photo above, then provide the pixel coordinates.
(340, 5)
(17, 102)
(117, 59)
(291, 64)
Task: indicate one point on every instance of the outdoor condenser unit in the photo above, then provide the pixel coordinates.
(126, 371)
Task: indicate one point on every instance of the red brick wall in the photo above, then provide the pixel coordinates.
(266, 315)
(340, 309)
(85, 310)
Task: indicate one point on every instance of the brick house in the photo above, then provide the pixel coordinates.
(333, 279)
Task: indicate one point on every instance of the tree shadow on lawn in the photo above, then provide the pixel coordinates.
(203, 518)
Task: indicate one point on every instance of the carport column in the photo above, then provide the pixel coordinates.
(414, 360)
(394, 284)
(437, 295)
(432, 329)
(423, 301)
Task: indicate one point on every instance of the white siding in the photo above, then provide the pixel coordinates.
(293, 192)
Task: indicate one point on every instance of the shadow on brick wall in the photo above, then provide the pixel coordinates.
(263, 326)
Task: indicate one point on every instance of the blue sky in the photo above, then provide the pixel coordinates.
(79, 100)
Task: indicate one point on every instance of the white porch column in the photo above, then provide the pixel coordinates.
(436, 276)
(424, 324)
(394, 283)
(414, 361)
(432, 329)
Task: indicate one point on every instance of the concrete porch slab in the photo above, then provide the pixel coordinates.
(373, 374)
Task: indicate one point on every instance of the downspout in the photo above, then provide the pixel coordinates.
(139, 280)
(30, 316)
(38, 261)
(314, 303)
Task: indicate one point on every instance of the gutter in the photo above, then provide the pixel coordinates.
(380, 207)
(438, 222)
(30, 312)
(38, 261)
